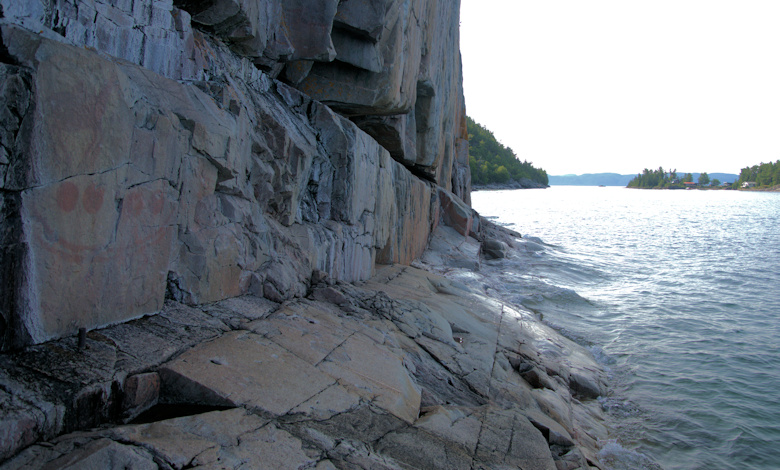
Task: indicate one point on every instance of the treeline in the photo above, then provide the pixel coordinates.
(662, 179)
(765, 174)
(491, 162)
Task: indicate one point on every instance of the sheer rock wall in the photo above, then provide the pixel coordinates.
(200, 150)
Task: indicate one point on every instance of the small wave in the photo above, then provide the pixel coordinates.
(561, 295)
(496, 220)
(601, 357)
(566, 333)
(617, 457)
(531, 246)
(536, 240)
(620, 408)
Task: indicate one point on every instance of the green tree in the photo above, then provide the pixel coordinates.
(487, 157)
(688, 178)
(502, 174)
(659, 178)
(765, 174)
(704, 179)
(776, 174)
(715, 182)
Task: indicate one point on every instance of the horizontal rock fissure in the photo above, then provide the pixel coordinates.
(163, 411)
(421, 172)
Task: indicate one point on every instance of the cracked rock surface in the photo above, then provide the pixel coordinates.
(406, 370)
(222, 199)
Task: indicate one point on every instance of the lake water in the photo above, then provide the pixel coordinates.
(678, 295)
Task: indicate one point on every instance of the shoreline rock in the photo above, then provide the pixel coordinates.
(409, 369)
(227, 204)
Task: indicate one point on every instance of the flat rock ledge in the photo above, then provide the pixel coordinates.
(407, 370)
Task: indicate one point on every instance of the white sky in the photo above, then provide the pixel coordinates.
(591, 86)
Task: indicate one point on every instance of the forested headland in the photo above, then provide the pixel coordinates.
(493, 163)
(764, 175)
(662, 179)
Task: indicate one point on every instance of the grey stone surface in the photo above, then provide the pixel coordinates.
(229, 202)
(89, 453)
(215, 186)
(407, 68)
(509, 440)
(365, 58)
(242, 369)
(406, 370)
(175, 194)
(493, 249)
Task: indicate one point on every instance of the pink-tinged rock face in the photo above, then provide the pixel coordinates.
(67, 196)
(153, 159)
(141, 392)
(88, 125)
(98, 250)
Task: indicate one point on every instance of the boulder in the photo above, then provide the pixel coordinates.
(243, 369)
(494, 249)
(395, 133)
(418, 448)
(141, 392)
(585, 385)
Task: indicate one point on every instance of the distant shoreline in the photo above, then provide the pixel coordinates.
(524, 183)
(616, 179)
(773, 189)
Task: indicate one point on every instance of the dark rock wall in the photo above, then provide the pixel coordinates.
(200, 150)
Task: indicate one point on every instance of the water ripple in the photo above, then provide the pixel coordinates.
(676, 292)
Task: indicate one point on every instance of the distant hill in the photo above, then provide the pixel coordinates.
(591, 179)
(615, 179)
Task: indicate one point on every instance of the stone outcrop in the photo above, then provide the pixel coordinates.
(406, 370)
(208, 214)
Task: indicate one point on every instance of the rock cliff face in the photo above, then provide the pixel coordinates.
(227, 196)
(200, 150)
